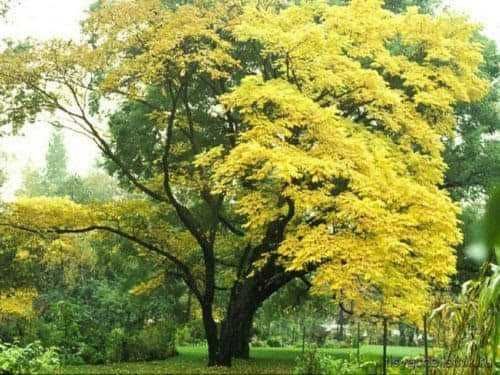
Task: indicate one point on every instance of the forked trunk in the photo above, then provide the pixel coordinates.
(233, 340)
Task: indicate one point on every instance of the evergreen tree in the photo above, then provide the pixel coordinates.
(56, 167)
(54, 180)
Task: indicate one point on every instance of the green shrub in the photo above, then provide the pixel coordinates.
(314, 362)
(308, 363)
(336, 344)
(274, 343)
(115, 346)
(154, 342)
(191, 333)
(31, 359)
(72, 359)
(89, 354)
(257, 344)
(183, 336)
(196, 331)
(318, 334)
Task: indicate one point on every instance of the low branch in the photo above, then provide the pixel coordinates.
(186, 273)
(106, 150)
(96, 137)
(24, 229)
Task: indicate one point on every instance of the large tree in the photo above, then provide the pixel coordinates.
(275, 142)
(473, 155)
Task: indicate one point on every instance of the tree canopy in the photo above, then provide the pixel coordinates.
(282, 141)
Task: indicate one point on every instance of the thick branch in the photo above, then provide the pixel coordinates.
(275, 233)
(184, 214)
(186, 273)
(98, 139)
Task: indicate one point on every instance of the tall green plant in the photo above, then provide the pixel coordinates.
(473, 320)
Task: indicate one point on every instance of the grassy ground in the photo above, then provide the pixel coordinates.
(192, 360)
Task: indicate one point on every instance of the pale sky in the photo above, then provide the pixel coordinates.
(44, 19)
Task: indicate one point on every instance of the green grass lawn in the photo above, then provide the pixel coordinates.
(192, 360)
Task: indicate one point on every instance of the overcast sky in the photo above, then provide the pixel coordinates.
(44, 19)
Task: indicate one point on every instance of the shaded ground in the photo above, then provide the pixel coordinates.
(192, 360)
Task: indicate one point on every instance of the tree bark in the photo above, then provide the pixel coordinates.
(426, 346)
(246, 296)
(235, 329)
(340, 325)
(245, 299)
(211, 335)
(242, 347)
(234, 342)
(384, 354)
(402, 335)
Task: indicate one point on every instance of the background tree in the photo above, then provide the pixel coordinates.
(473, 158)
(5, 6)
(473, 154)
(54, 180)
(82, 294)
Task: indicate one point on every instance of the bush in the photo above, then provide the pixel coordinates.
(191, 333)
(314, 362)
(274, 343)
(183, 336)
(335, 344)
(32, 359)
(89, 354)
(257, 344)
(309, 363)
(154, 342)
(115, 346)
(318, 334)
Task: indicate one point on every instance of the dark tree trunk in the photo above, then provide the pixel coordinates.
(249, 292)
(242, 346)
(384, 353)
(303, 335)
(234, 342)
(188, 308)
(402, 335)
(426, 346)
(211, 335)
(245, 299)
(236, 327)
(410, 337)
(340, 327)
(246, 296)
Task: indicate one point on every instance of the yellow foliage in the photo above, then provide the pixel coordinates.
(343, 115)
(17, 302)
(148, 286)
(352, 134)
(47, 213)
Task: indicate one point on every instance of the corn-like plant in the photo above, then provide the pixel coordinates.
(472, 321)
(472, 325)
